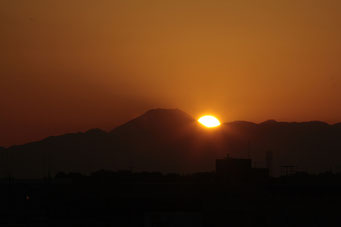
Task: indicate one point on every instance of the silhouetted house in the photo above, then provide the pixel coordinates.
(260, 175)
(233, 170)
(237, 170)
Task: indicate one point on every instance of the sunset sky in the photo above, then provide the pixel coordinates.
(69, 65)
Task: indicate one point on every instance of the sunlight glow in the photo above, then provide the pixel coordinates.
(209, 121)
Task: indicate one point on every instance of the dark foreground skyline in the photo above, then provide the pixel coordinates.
(153, 199)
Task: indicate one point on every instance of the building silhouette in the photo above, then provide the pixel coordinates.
(239, 170)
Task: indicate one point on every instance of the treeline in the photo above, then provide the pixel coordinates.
(298, 178)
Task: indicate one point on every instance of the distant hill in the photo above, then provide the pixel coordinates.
(311, 146)
(170, 140)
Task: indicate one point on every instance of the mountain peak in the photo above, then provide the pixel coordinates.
(157, 119)
(269, 122)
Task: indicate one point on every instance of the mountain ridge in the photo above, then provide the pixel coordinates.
(236, 122)
(173, 141)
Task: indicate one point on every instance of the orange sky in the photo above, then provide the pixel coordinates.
(73, 65)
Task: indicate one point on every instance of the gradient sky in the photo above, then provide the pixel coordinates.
(68, 65)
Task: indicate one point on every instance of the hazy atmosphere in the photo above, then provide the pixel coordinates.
(73, 65)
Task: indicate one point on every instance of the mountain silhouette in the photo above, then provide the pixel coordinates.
(170, 140)
(160, 124)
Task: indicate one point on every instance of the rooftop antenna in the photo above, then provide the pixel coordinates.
(9, 172)
(9, 180)
(269, 160)
(248, 150)
(47, 165)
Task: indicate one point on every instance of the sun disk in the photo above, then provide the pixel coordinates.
(209, 121)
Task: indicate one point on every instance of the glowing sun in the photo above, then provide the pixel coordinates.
(209, 121)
